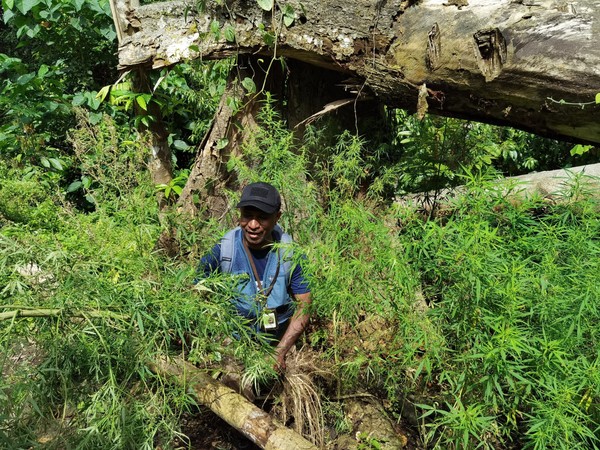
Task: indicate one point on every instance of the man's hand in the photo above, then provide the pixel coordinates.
(297, 324)
(280, 365)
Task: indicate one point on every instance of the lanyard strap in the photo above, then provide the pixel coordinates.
(255, 272)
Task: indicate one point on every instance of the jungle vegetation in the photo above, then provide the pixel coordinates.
(484, 317)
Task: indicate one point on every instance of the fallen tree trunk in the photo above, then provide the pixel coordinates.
(528, 64)
(250, 420)
(552, 185)
(25, 311)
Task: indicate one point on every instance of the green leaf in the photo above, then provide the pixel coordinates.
(78, 4)
(43, 70)
(102, 93)
(249, 85)
(8, 4)
(56, 163)
(269, 38)
(95, 118)
(45, 162)
(267, 5)
(580, 149)
(180, 145)
(140, 322)
(141, 101)
(92, 101)
(76, 23)
(25, 79)
(229, 33)
(598, 98)
(222, 143)
(8, 15)
(215, 29)
(24, 6)
(75, 185)
(78, 99)
(289, 15)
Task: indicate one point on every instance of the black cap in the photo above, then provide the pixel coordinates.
(262, 196)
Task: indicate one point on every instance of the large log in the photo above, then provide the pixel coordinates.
(523, 63)
(250, 420)
(553, 186)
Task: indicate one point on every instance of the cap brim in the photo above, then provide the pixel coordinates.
(269, 209)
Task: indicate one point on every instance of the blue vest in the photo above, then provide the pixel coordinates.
(234, 260)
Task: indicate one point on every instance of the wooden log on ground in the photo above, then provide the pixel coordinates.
(527, 64)
(244, 416)
(552, 185)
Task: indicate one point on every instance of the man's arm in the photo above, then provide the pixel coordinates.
(209, 263)
(297, 325)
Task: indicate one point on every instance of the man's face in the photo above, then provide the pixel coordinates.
(257, 226)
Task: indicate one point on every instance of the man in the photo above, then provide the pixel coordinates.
(256, 249)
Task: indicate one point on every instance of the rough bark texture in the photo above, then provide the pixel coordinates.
(230, 128)
(509, 62)
(121, 10)
(208, 176)
(250, 420)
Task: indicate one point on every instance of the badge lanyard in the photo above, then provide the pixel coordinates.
(264, 294)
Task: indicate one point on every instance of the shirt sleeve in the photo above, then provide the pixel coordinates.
(298, 283)
(209, 263)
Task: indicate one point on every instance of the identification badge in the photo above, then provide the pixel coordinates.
(269, 320)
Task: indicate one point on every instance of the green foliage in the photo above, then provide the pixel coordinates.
(49, 69)
(27, 202)
(507, 354)
(83, 382)
(33, 104)
(518, 321)
(267, 5)
(110, 161)
(175, 186)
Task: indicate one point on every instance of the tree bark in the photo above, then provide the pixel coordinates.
(248, 419)
(523, 63)
(204, 190)
(159, 162)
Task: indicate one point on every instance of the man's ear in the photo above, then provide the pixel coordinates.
(278, 216)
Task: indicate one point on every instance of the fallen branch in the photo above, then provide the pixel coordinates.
(25, 311)
(248, 419)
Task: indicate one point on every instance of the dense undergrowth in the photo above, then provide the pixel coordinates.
(486, 315)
